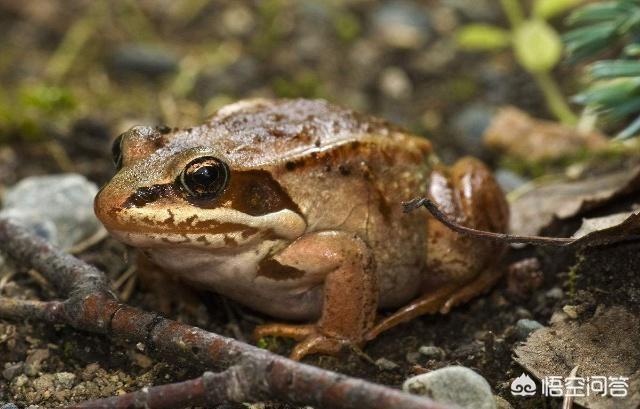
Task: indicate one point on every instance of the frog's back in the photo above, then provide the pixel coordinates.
(345, 171)
(258, 133)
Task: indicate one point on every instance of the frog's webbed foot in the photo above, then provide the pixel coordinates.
(311, 340)
(344, 263)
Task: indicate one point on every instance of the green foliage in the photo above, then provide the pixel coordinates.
(613, 85)
(546, 9)
(474, 37)
(36, 106)
(536, 45)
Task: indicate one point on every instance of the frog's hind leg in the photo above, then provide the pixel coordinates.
(344, 263)
(458, 267)
(441, 300)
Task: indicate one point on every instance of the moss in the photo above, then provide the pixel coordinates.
(304, 84)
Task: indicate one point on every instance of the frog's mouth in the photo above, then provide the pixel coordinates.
(152, 226)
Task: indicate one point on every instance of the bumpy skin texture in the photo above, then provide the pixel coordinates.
(309, 226)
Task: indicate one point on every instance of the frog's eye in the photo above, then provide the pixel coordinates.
(116, 151)
(205, 177)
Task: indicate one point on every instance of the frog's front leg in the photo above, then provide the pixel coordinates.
(350, 292)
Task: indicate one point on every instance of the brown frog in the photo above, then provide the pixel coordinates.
(292, 207)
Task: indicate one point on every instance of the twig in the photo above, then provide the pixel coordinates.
(567, 402)
(502, 237)
(254, 374)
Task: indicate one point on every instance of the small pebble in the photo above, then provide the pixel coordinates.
(65, 379)
(402, 24)
(33, 363)
(571, 311)
(395, 83)
(59, 208)
(555, 293)
(501, 403)
(523, 313)
(21, 380)
(455, 385)
(8, 406)
(387, 365)
(469, 124)
(525, 326)
(413, 357)
(12, 370)
(432, 352)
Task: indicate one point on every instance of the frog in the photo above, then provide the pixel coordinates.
(291, 207)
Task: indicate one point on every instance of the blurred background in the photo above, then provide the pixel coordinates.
(75, 73)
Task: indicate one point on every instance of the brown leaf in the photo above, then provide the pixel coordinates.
(537, 208)
(607, 344)
(517, 134)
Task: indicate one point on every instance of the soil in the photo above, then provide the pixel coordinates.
(111, 93)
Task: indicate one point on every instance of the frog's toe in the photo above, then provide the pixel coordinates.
(312, 341)
(318, 344)
(296, 332)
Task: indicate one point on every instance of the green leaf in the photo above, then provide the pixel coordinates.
(611, 92)
(537, 46)
(595, 13)
(613, 69)
(482, 37)
(630, 131)
(632, 50)
(546, 9)
(586, 41)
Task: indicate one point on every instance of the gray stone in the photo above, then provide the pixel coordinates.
(509, 180)
(12, 370)
(402, 24)
(143, 59)
(525, 326)
(387, 365)
(432, 352)
(8, 406)
(57, 207)
(469, 125)
(455, 385)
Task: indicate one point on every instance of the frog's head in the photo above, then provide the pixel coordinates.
(172, 191)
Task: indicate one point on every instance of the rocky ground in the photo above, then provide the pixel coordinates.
(77, 73)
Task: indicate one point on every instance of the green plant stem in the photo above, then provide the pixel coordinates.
(554, 98)
(514, 12)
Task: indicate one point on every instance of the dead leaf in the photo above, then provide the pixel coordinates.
(596, 224)
(515, 133)
(557, 200)
(607, 344)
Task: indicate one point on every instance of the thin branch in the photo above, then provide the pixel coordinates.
(254, 374)
(502, 237)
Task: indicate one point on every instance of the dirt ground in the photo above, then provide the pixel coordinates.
(224, 51)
